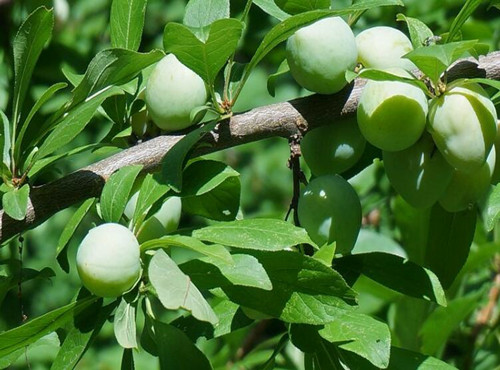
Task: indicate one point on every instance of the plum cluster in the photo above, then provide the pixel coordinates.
(434, 150)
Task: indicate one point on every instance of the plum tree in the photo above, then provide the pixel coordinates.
(330, 210)
(466, 188)
(333, 148)
(383, 47)
(463, 124)
(108, 260)
(172, 92)
(319, 55)
(392, 114)
(420, 174)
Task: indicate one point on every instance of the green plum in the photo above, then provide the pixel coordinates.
(108, 260)
(392, 114)
(466, 188)
(319, 55)
(330, 210)
(383, 47)
(420, 174)
(333, 148)
(164, 221)
(463, 124)
(172, 92)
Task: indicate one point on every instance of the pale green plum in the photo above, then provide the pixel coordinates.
(164, 221)
(108, 260)
(383, 47)
(463, 123)
(333, 148)
(420, 174)
(319, 54)
(466, 188)
(392, 114)
(172, 92)
(330, 210)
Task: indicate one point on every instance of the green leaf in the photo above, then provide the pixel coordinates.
(112, 67)
(214, 251)
(173, 162)
(461, 18)
(270, 7)
(35, 329)
(449, 240)
(301, 6)
(419, 32)
(15, 202)
(175, 349)
(127, 359)
(40, 102)
(441, 323)
(124, 324)
(116, 192)
(491, 210)
(33, 34)
(402, 359)
(47, 342)
(304, 290)
(80, 333)
(70, 229)
(378, 75)
(211, 189)
(175, 289)
(361, 334)
(244, 270)
(258, 234)
(283, 69)
(151, 191)
(4, 139)
(395, 273)
(69, 126)
(202, 13)
(205, 58)
(433, 60)
(126, 23)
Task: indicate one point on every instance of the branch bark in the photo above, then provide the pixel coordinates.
(277, 120)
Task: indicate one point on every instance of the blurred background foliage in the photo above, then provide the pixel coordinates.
(82, 30)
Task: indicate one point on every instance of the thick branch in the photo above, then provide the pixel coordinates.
(277, 120)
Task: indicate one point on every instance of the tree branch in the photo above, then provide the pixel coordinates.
(277, 120)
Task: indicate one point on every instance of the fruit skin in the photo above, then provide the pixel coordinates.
(420, 174)
(164, 221)
(463, 124)
(333, 148)
(382, 47)
(108, 260)
(467, 188)
(392, 114)
(172, 92)
(329, 209)
(319, 54)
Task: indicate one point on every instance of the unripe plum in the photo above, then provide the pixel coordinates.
(319, 54)
(333, 148)
(463, 123)
(466, 188)
(172, 92)
(392, 114)
(164, 221)
(382, 47)
(420, 174)
(108, 260)
(330, 211)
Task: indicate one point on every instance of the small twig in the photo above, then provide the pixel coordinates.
(24, 317)
(298, 176)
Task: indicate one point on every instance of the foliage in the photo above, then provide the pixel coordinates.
(238, 284)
